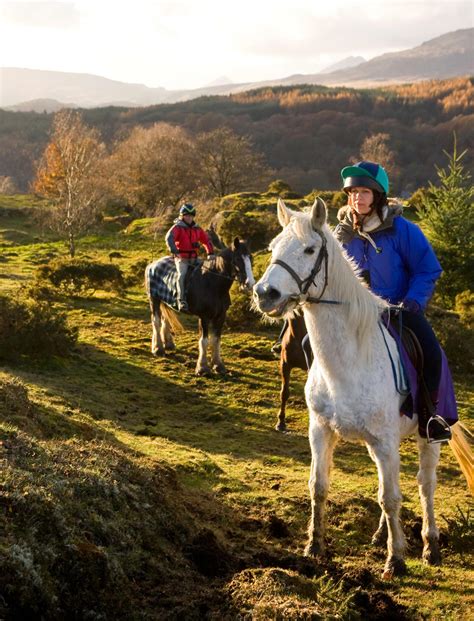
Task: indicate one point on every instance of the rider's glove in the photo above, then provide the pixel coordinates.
(411, 306)
(211, 257)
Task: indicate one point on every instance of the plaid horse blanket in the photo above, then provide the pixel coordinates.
(162, 281)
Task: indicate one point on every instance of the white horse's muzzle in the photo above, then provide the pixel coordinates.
(269, 300)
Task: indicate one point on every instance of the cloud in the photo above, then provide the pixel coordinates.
(58, 15)
(364, 29)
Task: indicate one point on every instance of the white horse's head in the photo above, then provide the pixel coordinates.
(298, 267)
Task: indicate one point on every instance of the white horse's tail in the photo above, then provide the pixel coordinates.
(461, 448)
(172, 318)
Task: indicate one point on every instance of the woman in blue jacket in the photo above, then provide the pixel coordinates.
(396, 260)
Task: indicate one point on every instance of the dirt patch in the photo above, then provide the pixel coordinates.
(208, 554)
(277, 527)
(379, 606)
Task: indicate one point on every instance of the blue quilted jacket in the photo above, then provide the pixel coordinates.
(400, 263)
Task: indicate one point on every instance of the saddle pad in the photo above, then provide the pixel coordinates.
(446, 407)
(161, 281)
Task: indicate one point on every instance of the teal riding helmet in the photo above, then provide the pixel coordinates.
(366, 175)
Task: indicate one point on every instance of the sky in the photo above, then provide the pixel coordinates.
(185, 44)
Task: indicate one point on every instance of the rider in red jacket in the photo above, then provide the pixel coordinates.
(183, 241)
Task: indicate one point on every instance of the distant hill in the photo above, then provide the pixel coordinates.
(446, 56)
(449, 55)
(84, 90)
(220, 81)
(345, 63)
(40, 105)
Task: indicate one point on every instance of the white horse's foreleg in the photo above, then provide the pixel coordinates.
(322, 440)
(388, 465)
(157, 348)
(429, 458)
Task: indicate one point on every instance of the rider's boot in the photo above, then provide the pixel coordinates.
(435, 429)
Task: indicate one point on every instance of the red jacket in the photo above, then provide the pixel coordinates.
(185, 239)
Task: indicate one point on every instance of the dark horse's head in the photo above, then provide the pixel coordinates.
(242, 264)
(236, 261)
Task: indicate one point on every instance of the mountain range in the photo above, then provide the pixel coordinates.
(446, 56)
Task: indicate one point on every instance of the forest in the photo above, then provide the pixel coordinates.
(305, 133)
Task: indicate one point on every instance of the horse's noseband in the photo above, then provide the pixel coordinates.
(305, 283)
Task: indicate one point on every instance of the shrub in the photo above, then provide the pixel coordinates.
(461, 531)
(240, 312)
(418, 199)
(14, 397)
(455, 337)
(448, 217)
(464, 307)
(33, 328)
(333, 200)
(259, 228)
(279, 187)
(79, 276)
(136, 273)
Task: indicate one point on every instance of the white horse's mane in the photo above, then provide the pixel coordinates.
(363, 307)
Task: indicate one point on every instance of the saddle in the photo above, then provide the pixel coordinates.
(428, 419)
(162, 280)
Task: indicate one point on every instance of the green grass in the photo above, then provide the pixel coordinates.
(132, 485)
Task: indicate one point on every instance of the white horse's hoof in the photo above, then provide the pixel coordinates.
(314, 549)
(203, 371)
(431, 553)
(158, 352)
(395, 566)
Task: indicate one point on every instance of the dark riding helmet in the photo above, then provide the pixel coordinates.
(187, 210)
(365, 175)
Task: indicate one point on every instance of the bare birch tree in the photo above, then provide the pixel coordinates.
(68, 175)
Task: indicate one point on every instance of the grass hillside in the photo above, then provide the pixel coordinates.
(132, 489)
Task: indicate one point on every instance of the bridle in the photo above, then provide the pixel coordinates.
(305, 283)
(236, 271)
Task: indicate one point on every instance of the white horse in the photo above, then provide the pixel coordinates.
(350, 391)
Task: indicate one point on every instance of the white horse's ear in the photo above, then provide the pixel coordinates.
(319, 214)
(284, 213)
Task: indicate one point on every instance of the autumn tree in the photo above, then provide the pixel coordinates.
(375, 148)
(68, 176)
(228, 162)
(153, 168)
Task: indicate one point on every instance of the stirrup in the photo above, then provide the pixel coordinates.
(437, 435)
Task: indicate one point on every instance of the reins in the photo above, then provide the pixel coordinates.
(305, 283)
(234, 277)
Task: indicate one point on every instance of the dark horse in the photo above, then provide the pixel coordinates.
(293, 355)
(208, 298)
